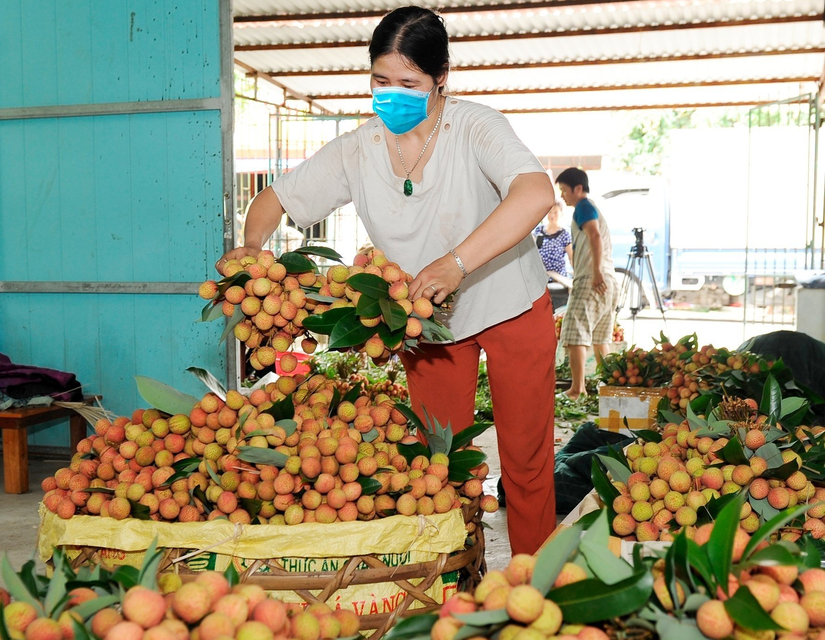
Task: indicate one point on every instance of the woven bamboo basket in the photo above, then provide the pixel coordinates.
(412, 580)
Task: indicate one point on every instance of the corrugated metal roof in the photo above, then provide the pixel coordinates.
(573, 48)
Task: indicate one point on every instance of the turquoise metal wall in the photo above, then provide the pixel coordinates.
(113, 125)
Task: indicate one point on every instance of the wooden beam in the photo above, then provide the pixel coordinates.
(251, 71)
(680, 105)
(744, 22)
(528, 5)
(614, 87)
(567, 63)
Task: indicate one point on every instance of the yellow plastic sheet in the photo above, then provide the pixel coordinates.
(305, 548)
(434, 534)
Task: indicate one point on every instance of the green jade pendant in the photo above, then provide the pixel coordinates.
(407, 187)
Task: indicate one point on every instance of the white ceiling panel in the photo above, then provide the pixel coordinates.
(572, 48)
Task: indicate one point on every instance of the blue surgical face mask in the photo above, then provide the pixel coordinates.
(400, 109)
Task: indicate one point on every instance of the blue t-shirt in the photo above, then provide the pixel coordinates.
(585, 211)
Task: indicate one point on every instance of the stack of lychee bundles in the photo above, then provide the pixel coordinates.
(271, 302)
(292, 452)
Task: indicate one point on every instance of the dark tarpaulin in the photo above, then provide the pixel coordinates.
(21, 381)
(573, 463)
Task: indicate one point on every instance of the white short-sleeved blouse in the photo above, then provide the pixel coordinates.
(476, 157)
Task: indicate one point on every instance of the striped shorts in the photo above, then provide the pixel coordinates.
(589, 316)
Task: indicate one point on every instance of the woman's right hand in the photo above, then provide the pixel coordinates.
(236, 254)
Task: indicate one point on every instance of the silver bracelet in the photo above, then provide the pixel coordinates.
(459, 263)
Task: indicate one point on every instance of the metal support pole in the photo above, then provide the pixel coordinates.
(227, 88)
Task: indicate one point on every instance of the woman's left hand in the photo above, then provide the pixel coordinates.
(437, 280)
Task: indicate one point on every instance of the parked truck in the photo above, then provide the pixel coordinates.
(734, 206)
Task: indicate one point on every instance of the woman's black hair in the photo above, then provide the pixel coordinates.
(417, 34)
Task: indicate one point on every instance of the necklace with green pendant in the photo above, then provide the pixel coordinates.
(408, 185)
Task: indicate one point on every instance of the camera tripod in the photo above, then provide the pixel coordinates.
(632, 289)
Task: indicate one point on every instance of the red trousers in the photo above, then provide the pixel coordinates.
(521, 355)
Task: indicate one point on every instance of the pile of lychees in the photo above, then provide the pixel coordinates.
(331, 460)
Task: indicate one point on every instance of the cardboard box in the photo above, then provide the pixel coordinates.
(638, 405)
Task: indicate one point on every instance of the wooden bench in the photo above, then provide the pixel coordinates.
(14, 423)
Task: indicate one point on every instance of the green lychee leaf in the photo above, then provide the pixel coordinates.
(212, 474)
(211, 312)
(466, 436)
(791, 405)
(762, 508)
(391, 338)
(771, 403)
(16, 588)
(745, 610)
(368, 485)
(321, 252)
(435, 331)
(411, 416)
(370, 285)
(37, 585)
(312, 295)
(288, 425)
(733, 452)
(459, 475)
(352, 394)
(591, 600)
(296, 263)
(774, 524)
(670, 628)
(393, 314)
(252, 506)
(57, 587)
(720, 545)
(413, 628)
(594, 547)
(231, 574)
(484, 618)
(349, 332)
(552, 557)
(695, 421)
(677, 566)
(607, 492)
(368, 307)
(782, 472)
(470, 631)
(776, 554)
(199, 494)
(126, 576)
(410, 451)
(370, 435)
(618, 471)
(87, 609)
(813, 557)
(698, 559)
(670, 416)
(257, 455)
(466, 459)
(211, 382)
(283, 409)
(694, 601)
(80, 631)
(772, 455)
(183, 469)
(163, 397)
(324, 323)
(237, 316)
(139, 511)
